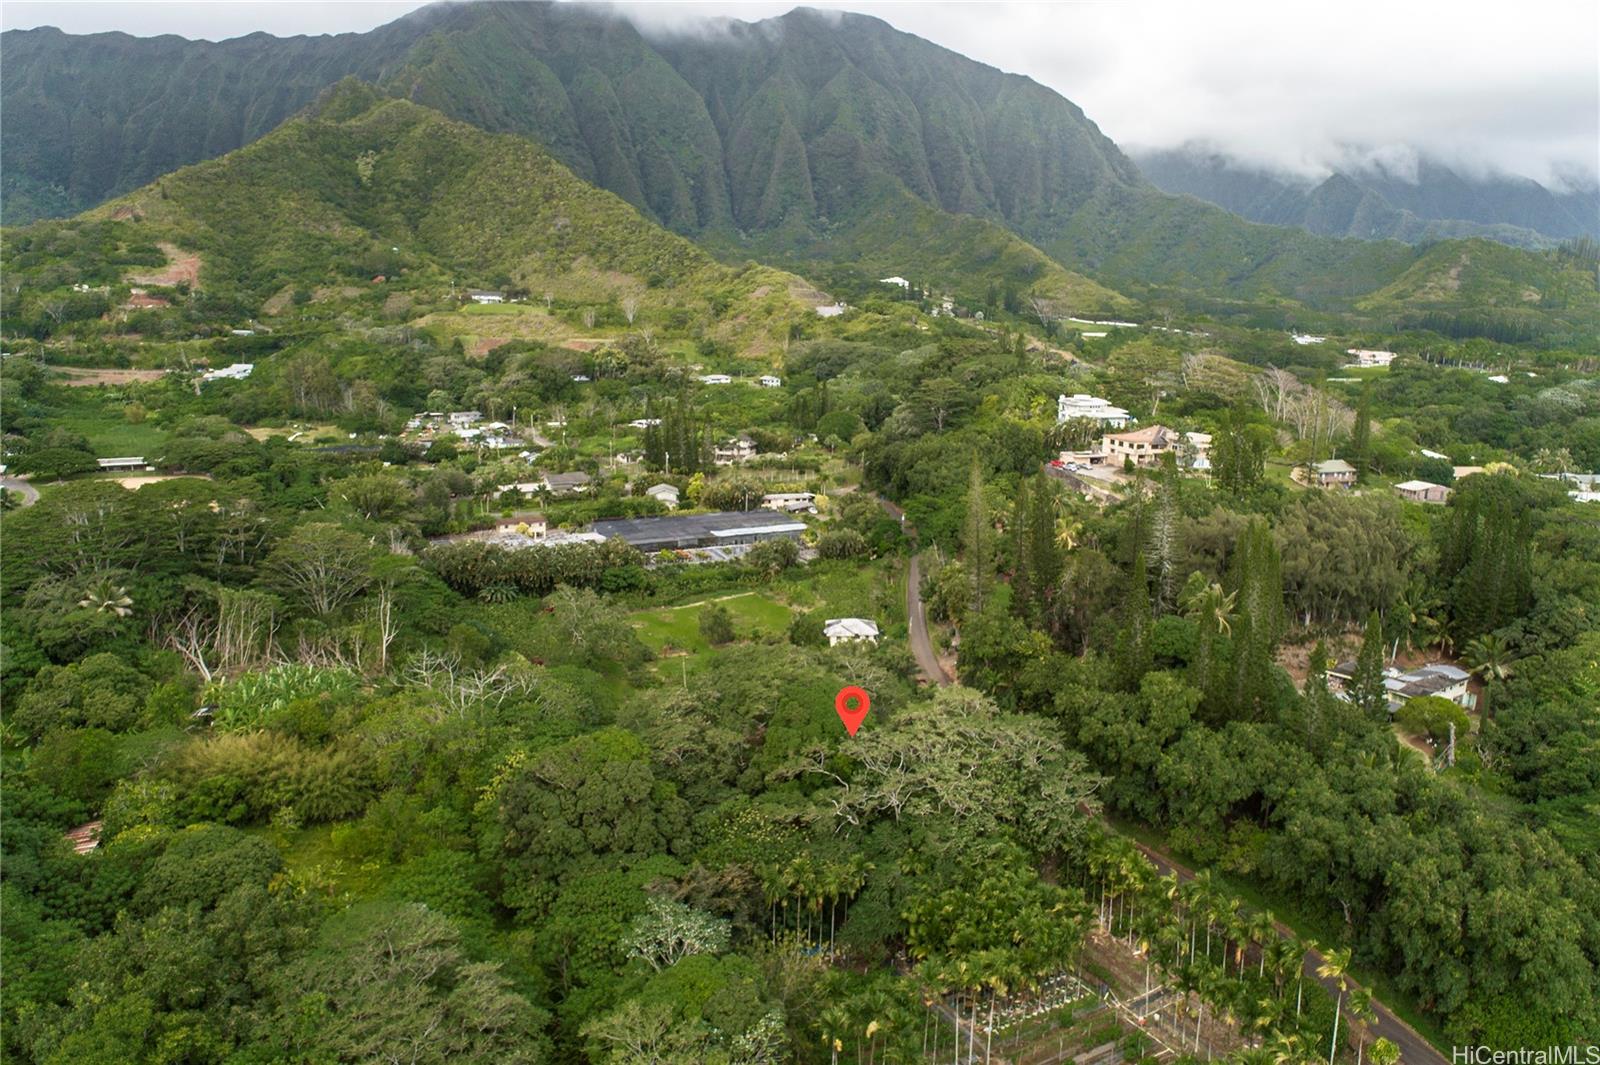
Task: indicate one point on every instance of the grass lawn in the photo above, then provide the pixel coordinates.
(678, 627)
(1257, 897)
(111, 436)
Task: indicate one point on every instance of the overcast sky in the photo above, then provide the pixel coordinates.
(1507, 86)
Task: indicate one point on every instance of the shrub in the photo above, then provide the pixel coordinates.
(1432, 715)
(841, 543)
(716, 625)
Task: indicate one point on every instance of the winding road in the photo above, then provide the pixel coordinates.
(27, 495)
(1414, 1049)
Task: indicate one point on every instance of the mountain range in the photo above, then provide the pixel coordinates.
(1424, 202)
(813, 141)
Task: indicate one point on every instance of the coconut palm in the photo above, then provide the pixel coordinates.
(835, 1022)
(104, 596)
(1489, 658)
(1068, 532)
(1385, 1053)
(1336, 967)
(1263, 930)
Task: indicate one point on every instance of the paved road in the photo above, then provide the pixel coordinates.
(1414, 1050)
(27, 495)
(916, 617)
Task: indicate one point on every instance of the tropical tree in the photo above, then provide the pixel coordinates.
(105, 596)
(1490, 660)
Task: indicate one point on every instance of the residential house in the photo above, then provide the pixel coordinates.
(1458, 472)
(715, 379)
(1422, 491)
(1438, 678)
(533, 526)
(850, 630)
(663, 493)
(1091, 408)
(1365, 357)
(791, 502)
(1144, 446)
(767, 380)
(460, 419)
(830, 310)
(1306, 338)
(1194, 453)
(236, 372)
(897, 281)
(526, 488)
(560, 484)
(479, 295)
(739, 449)
(644, 423)
(1334, 473)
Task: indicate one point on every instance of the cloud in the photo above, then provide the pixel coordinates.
(1295, 87)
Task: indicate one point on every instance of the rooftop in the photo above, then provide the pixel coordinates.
(1334, 466)
(697, 526)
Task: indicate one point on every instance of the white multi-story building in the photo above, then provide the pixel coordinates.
(1092, 408)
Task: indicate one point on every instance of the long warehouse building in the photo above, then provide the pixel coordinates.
(679, 531)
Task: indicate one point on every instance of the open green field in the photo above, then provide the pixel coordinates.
(677, 628)
(110, 436)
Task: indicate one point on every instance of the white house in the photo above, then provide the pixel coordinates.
(1445, 681)
(897, 281)
(791, 502)
(850, 630)
(643, 423)
(830, 310)
(739, 449)
(478, 295)
(1092, 408)
(767, 380)
(1367, 357)
(715, 379)
(237, 372)
(460, 419)
(1306, 338)
(1422, 491)
(664, 493)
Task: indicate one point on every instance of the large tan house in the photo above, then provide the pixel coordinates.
(1144, 446)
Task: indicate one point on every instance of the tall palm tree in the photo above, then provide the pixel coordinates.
(1336, 967)
(835, 1022)
(1068, 531)
(1263, 930)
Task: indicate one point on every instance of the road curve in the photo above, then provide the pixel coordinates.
(27, 495)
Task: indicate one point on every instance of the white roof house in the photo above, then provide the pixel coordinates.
(1306, 338)
(715, 379)
(830, 310)
(1368, 357)
(666, 493)
(237, 372)
(850, 630)
(770, 381)
(792, 502)
(1093, 408)
(643, 423)
(896, 280)
(126, 462)
(478, 295)
(464, 417)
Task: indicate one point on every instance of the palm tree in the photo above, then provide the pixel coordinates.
(1286, 1048)
(835, 1022)
(1208, 604)
(1490, 660)
(1068, 530)
(105, 597)
(1263, 929)
(1336, 966)
(1385, 1053)
(1360, 1014)
(1306, 948)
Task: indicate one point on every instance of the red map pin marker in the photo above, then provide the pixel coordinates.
(852, 704)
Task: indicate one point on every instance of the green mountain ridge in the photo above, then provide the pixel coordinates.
(798, 139)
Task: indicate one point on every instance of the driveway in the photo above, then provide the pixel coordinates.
(27, 495)
(916, 617)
